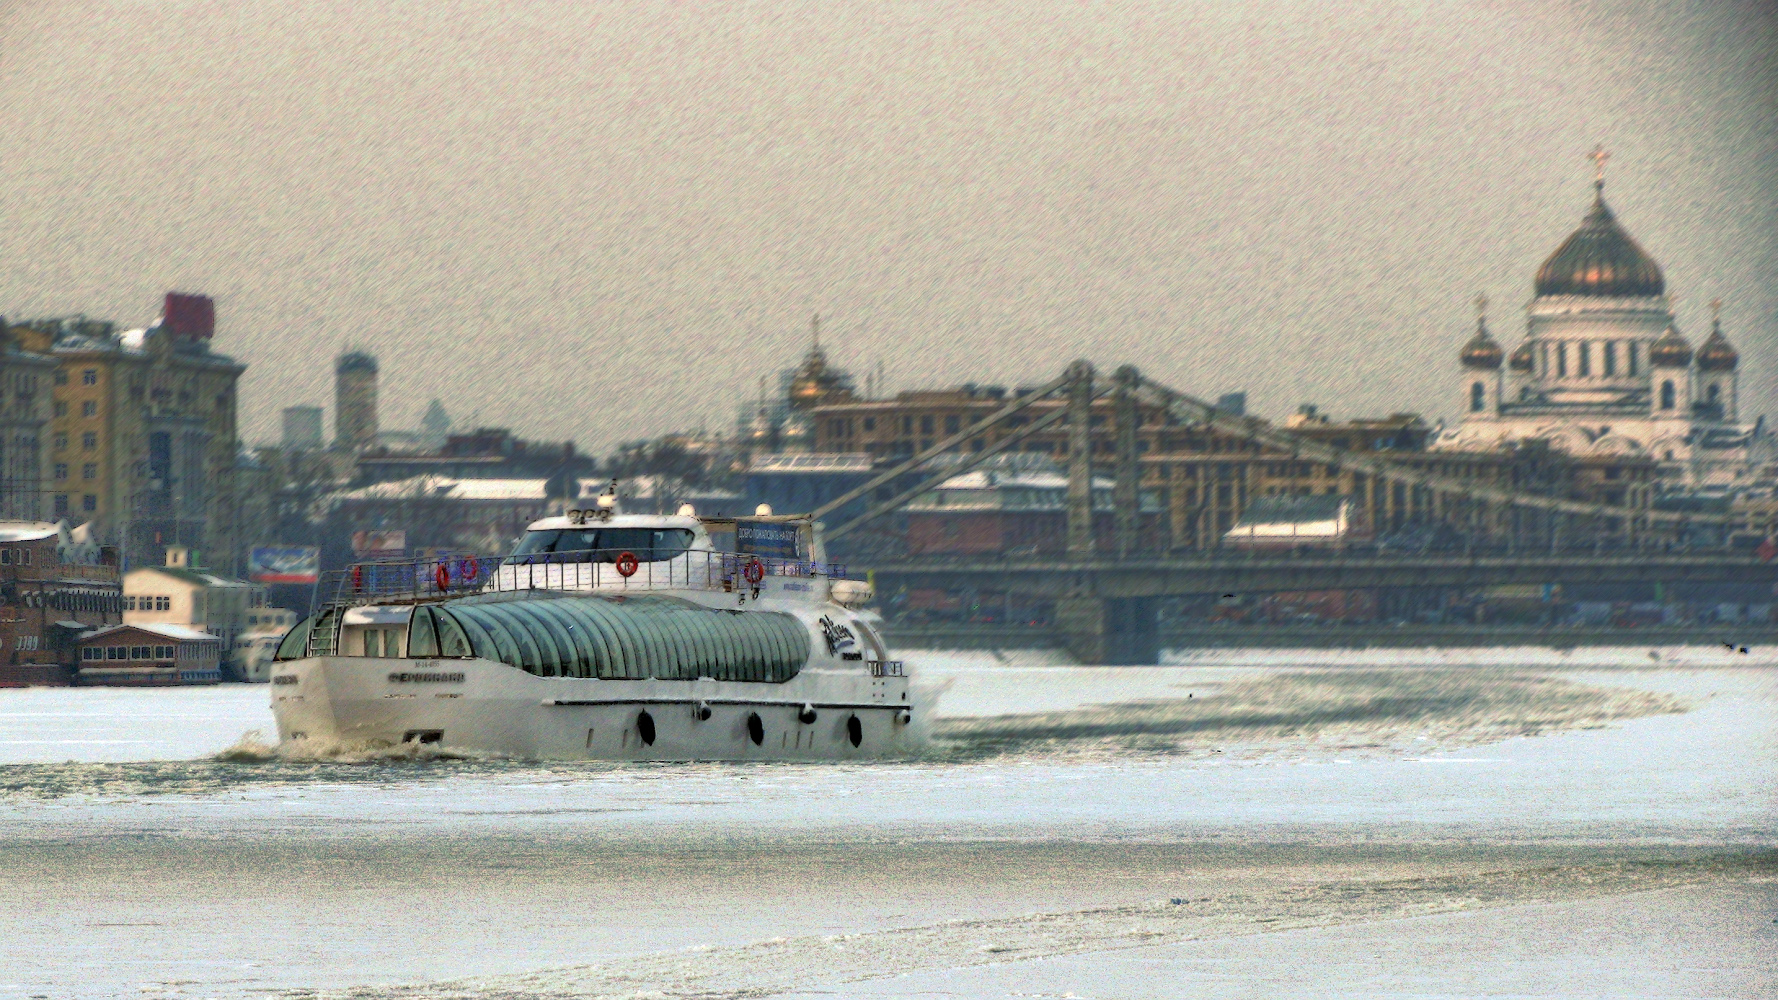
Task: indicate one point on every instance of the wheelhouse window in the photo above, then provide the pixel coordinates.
(601, 545)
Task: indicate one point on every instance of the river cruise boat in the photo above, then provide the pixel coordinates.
(604, 635)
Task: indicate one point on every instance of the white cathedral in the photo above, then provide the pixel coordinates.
(1603, 370)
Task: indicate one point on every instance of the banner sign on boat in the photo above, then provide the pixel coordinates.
(284, 564)
(778, 541)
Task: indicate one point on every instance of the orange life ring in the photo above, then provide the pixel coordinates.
(626, 563)
(469, 569)
(442, 576)
(755, 571)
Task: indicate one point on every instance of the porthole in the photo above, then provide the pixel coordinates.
(756, 729)
(807, 715)
(645, 728)
(854, 730)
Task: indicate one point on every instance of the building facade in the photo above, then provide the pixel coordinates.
(144, 443)
(177, 594)
(149, 656)
(26, 409)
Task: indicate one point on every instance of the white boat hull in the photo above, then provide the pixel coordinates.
(483, 706)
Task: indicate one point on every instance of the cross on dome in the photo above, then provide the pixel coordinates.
(1599, 155)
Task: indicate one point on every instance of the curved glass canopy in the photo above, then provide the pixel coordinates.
(615, 638)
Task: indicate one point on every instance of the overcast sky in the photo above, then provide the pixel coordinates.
(606, 220)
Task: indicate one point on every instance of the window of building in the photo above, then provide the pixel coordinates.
(129, 603)
(1561, 360)
(89, 377)
(89, 471)
(61, 408)
(907, 425)
(61, 442)
(1667, 395)
(1583, 351)
(89, 409)
(89, 440)
(89, 503)
(61, 470)
(926, 425)
(115, 652)
(870, 424)
(1610, 359)
(1478, 397)
(163, 604)
(953, 424)
(163, 652)
(61, 503)
(1630, 357)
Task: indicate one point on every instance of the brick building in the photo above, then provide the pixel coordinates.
(53, 587)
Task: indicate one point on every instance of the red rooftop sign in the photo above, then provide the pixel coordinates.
(191, 316)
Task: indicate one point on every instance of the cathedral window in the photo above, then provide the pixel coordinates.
(1583, 351)
(1610, 359)
(1667, 395)
(1714, 396)
(1630, 357)
(1561, 360)
(1478, 397)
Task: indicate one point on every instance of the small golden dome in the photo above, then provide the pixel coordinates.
(1671, 350)
(1482, 353)
(1717, 354)
(1524, 357)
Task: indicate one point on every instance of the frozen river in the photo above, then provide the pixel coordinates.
(1421, 850)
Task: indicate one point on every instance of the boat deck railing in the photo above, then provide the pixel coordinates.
(410, 581)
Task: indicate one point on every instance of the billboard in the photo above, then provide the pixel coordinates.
(763, 538)
(284, 564)
(378, 544)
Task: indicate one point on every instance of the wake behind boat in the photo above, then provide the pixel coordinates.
(604, 636)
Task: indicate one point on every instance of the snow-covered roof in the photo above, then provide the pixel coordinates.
(1291, 518)
(26, 531)
(192, 576)
(825, 462)
(176, 632)
(448, 488)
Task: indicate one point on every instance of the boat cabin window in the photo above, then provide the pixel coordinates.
(434, 634)
(601, 545)
(295, 644)
(422, 637)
